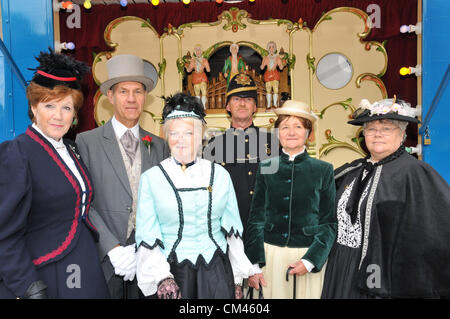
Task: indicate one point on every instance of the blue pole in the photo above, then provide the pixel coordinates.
(436, 99)
(13, 64)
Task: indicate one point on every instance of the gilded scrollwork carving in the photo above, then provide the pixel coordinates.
(345, 104)
(334, 143)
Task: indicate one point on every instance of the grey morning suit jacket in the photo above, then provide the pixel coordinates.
(113, 200)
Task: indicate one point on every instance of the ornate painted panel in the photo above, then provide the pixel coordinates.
(329, 66)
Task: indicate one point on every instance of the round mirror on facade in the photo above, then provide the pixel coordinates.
(334, 71)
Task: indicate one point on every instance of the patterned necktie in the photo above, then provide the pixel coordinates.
(130, 144)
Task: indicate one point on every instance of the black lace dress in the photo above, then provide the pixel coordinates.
(345, 256)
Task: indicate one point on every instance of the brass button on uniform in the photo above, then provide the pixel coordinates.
(223, 163)
(246, 140)
(250, 173)
(251, 192)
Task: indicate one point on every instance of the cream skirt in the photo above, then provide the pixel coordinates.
(309, 286)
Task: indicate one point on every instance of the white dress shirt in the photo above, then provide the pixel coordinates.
(120, 129)
(292, 157)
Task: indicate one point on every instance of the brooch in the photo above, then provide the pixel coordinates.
(72, 148)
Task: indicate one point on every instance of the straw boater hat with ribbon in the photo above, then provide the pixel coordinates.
(296, 108)
(391, 109)
(129, 68)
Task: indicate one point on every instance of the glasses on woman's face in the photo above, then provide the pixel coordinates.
(384, 131)
(182, 134)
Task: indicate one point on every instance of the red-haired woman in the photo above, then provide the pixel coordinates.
(47, 247)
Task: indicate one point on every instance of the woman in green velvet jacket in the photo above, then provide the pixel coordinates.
(292, 224)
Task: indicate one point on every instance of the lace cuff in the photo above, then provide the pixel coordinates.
(242, 267)
(256, 269)
(152, 267)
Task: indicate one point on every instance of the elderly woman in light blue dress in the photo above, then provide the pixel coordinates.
(188, 229)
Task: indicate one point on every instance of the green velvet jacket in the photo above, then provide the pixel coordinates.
(293, 207)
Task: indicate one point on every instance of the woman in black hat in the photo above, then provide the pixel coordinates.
(47, 247)
(393, 215)
(188, 229)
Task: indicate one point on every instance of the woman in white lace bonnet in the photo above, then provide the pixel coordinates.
(393, 215)
(188, 228)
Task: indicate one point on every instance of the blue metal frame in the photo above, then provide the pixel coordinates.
(436, 100)
(27, 29)
(13, 64)
(436, 94)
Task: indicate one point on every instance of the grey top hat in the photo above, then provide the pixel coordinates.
(129, 68)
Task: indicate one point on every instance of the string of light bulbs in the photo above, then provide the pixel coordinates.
(408, 70)
(68, 5)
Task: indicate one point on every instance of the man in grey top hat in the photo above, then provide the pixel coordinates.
(116, 154)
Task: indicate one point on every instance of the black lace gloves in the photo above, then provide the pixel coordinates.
(168, 289)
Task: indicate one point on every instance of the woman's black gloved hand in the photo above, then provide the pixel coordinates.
(37, 290)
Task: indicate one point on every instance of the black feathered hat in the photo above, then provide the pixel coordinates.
(59, 69)
(183, 105)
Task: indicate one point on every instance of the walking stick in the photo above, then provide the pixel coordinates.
(125, 290)
(294, 294)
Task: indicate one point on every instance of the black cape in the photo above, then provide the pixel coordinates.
(406, 233)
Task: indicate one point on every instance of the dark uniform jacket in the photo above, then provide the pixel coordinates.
(240, 151)
(42, 229)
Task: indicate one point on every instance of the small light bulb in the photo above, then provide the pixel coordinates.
(405, 71)
(155, 2)
(123, 3)
(404, 28)
(70, 45)
(412, 28)
(67, 5)
(186, 1)
(87, 4)
(219, 1)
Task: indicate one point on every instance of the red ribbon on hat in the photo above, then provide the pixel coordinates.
(56, 77)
